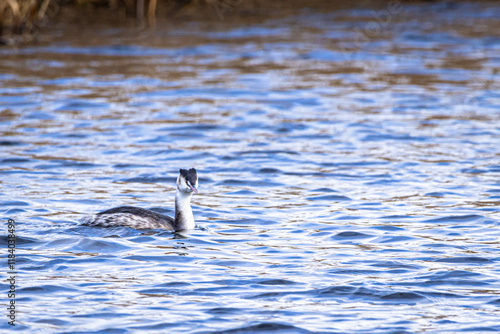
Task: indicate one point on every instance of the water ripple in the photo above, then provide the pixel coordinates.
(348, 174)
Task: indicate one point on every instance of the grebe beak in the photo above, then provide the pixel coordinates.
(193, 189)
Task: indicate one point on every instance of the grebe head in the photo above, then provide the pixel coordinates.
(187, 182)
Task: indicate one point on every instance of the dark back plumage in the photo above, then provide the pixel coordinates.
(190, 175)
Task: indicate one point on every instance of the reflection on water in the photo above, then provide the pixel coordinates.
(347, 184)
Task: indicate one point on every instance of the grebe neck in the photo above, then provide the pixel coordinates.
(184, 219)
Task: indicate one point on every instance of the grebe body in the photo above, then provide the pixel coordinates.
(138, 218)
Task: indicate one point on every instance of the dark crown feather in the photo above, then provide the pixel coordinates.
(190, 175)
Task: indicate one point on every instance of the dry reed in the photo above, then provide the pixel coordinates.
(22, 18)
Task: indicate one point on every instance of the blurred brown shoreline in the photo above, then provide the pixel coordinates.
(20, 20)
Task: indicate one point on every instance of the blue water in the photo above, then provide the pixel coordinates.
(348, 184)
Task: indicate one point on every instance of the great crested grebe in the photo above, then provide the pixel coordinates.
(138, 218)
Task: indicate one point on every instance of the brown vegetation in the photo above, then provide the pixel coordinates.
(19, 19)
(21, 16)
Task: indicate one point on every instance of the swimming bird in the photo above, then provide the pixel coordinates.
(138, 218)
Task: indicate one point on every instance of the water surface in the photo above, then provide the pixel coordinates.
(349, 178)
